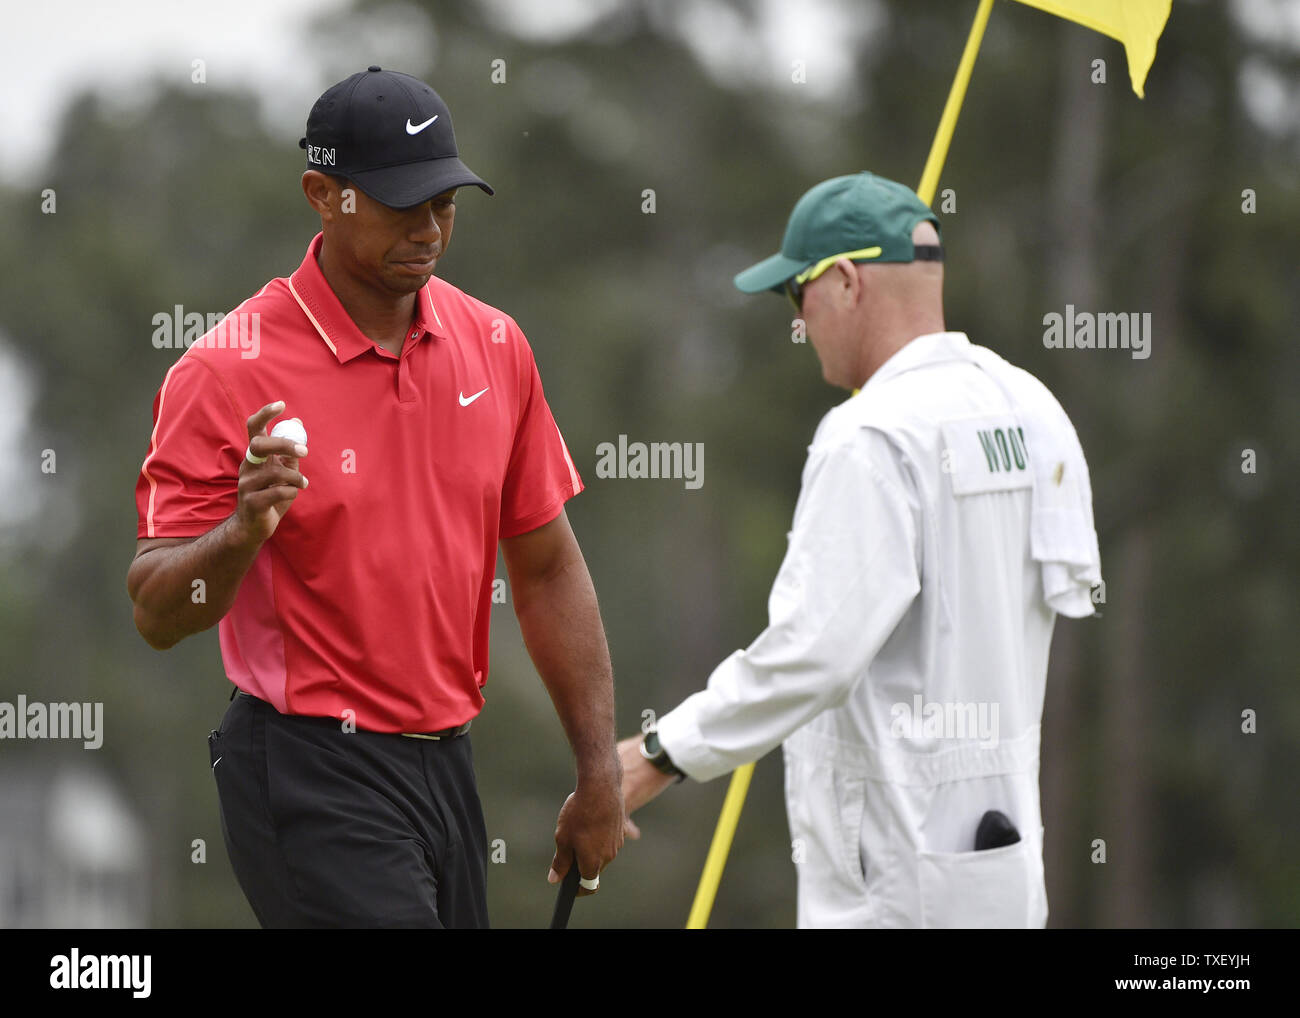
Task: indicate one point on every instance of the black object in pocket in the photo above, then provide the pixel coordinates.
(995, 831)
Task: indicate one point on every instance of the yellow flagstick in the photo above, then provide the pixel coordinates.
(739, 787)
(712, 876)
(956, 95)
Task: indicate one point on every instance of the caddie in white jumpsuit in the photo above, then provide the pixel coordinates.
(944, 520)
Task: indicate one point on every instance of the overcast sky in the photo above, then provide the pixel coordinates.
(50, 50)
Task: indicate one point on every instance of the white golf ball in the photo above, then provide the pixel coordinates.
(292, 428)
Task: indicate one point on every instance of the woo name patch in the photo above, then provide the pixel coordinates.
(985, 454)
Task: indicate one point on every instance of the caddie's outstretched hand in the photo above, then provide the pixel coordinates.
(642, 781)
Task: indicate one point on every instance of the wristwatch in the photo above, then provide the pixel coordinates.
(658, 757)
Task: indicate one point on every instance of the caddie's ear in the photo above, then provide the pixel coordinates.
(847, 282)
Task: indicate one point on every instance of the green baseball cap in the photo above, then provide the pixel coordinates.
(861, 216)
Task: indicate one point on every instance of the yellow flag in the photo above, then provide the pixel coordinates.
(1135, 23)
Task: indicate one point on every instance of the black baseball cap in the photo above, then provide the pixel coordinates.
(390, 134)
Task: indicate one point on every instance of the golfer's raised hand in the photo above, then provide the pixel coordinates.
(590, 827)
(266, 490)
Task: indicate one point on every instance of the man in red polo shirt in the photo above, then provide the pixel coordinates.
(354, 607)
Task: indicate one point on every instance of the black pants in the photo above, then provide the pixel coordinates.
(327, 828)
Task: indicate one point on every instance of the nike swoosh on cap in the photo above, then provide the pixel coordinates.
(464, 401)
(417, 128)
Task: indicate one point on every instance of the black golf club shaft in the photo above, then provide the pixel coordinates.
(564, 903)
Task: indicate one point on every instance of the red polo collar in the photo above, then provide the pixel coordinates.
(335, 326)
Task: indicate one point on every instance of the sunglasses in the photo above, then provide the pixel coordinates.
(794, 287)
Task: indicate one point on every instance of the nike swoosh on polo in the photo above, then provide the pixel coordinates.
(467, 400)
(417, 128)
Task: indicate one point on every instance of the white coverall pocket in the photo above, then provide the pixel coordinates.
(826, 812)
(997, 888)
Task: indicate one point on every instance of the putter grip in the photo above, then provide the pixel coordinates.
(564, 903)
